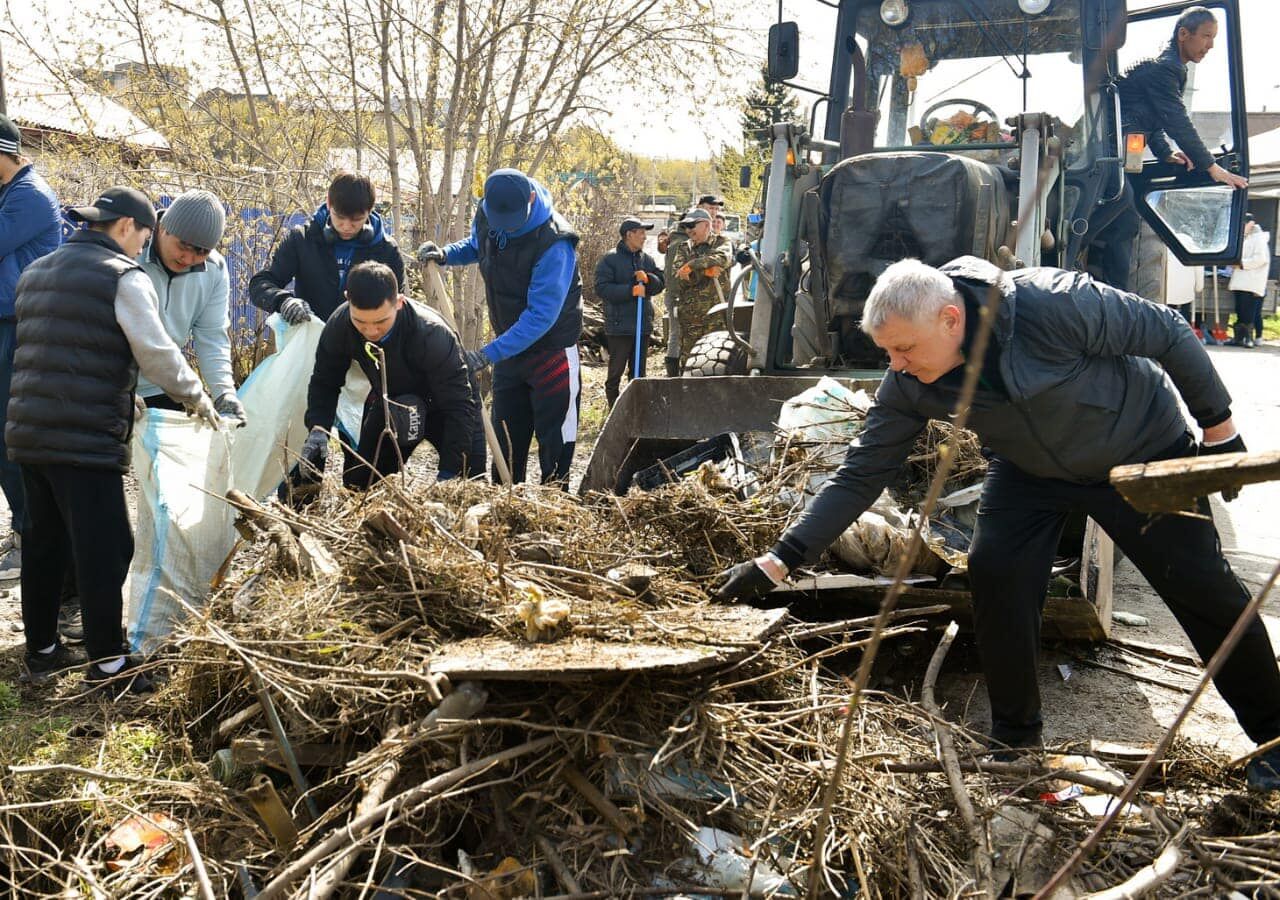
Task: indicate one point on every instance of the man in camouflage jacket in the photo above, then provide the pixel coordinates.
(698, 265)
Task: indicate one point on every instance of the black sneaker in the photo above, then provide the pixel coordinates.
(43, 666)
(130, 679)
(70, 625)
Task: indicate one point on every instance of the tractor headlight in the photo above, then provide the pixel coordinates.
(894, 12)
(1033, 7)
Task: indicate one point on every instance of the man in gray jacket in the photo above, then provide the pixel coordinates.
(1073, 383)
(192, 287)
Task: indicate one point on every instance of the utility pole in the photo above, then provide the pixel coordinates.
(4, 109)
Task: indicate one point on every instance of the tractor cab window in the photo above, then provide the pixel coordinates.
(956, 71)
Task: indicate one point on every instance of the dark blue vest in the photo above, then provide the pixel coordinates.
(508, 272)
(71, 398)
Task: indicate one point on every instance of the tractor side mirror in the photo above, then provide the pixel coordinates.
(784, 51)
(744, 177)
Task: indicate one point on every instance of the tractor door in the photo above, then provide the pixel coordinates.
(1201, 221)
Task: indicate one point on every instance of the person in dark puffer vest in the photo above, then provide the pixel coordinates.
(87, 323)
(528, 259)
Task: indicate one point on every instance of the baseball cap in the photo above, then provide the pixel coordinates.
(118, 203)
(632, 225)
(10, 136)
(506, 199)
(695, 215)
(710, 200)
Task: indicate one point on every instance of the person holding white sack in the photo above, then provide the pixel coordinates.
(87, 324)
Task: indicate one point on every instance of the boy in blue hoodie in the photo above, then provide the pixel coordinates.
(30, 227)
(528, 259)
(317, 256)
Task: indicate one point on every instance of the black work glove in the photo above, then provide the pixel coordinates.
(231, 409)
(743, 257)
(295, 311)
(315, 451)
(476, 360)
(429, 253)
(743, 582)
(1235, 445)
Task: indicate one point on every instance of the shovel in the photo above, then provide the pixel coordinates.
(443, 305)
(638, 360)
(1219, 333)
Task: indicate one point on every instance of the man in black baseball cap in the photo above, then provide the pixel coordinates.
(118, 203)
(711, 202)
(625, 280)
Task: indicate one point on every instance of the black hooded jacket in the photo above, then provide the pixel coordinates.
(305, 257)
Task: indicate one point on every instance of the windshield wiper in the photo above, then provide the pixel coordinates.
(1008, 51)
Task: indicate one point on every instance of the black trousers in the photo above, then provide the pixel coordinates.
(1115, 227)
(538, 393)
(78, 523)
(622, 358)
(1248, 307)
(386, 455)
(1020, 520)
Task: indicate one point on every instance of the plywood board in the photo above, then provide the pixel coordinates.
(699, 638)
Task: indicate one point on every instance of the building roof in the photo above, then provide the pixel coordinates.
(38, 99)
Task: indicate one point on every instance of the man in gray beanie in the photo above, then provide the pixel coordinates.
(191, 282)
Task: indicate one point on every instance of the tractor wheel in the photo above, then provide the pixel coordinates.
(715, 353)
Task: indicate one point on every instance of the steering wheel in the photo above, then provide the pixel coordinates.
(926, 130)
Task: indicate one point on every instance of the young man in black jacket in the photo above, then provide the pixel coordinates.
(625, 277)
(1077, 378)
(428, 392)
(317, 256)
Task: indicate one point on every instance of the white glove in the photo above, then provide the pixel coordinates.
(202, 409)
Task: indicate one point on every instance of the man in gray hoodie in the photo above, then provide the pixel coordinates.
(191, 284)
(1077, 378)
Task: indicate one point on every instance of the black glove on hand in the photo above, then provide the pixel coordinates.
(1235, 445)
(476, 360)
(295, 311)
(231, 409)
(315, 451)
(429, 252)
(745, 581)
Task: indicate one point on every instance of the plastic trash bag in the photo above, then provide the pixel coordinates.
(185, 528)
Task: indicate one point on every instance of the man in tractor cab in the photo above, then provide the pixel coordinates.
(698, 265)
(1151, 104)
(1073, 382)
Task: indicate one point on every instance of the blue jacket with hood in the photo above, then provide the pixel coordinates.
(30, 227)
(309, 258)
(550, 308)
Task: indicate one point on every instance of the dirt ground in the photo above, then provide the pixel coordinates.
(1092, 702)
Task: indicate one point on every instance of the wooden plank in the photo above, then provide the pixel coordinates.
(701, 638)
(1172, 485)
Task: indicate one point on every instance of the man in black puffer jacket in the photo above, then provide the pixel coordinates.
(625, 277)
(1151, 104)
(429, 394)
(316, 257)
(1077, 378)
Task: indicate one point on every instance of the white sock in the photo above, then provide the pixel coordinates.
(113, 666)
(46, 651)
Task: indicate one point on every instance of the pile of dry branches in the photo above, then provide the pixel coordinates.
(589, 787)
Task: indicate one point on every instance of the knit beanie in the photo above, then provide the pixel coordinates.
(197, 218)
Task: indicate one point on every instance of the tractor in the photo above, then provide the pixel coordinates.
(951, 127)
